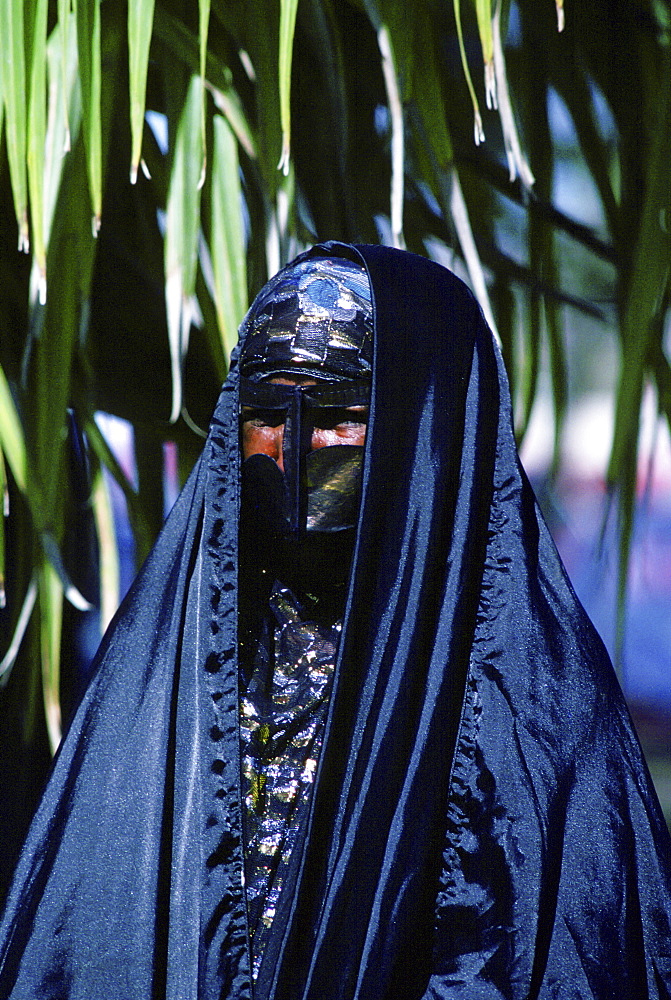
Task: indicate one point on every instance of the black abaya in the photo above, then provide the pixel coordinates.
(482, 823)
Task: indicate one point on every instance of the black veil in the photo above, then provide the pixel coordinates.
(482, 823)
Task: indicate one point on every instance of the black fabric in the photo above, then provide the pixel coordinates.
(482, 825)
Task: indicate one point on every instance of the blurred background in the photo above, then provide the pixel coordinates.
(160, 159)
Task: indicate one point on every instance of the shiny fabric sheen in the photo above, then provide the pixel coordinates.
(315, 314)
(482, 824)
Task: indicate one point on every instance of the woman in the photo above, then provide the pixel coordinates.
(480, 821)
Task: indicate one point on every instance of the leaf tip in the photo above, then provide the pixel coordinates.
(42, 289)
(145, 169)
(176, 406)
(285, 158)
(560, 15)
(490, 86)
(478, 131)
(247, 64)
(95, 225)
(77, 599)
(24, 238)
(133, 173)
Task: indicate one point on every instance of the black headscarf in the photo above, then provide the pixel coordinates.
(315, 316)
(482, 824)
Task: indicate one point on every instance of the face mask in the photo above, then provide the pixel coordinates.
(314, 318)
(319, 490)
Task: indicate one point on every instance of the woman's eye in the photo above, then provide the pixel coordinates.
(336, 418)
(261, 418)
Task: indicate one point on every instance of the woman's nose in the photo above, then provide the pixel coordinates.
(278, 445)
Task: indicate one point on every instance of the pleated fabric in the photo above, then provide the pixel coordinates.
(482, 824)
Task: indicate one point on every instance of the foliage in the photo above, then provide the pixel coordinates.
(141, 248)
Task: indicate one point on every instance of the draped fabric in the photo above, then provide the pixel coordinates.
(482, 824)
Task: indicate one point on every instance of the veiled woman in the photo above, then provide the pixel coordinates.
(351, 734)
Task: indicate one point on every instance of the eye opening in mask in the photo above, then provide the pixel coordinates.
(330, 411)
(262, 416)
(329, 418)
(323, 417)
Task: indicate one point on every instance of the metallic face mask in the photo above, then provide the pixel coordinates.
(314, 319)
(319, 490)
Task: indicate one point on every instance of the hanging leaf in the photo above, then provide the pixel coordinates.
(181, 236)
(204, 23)
(50, 375)
(483, 10)
(109, 564)
(63, 114)
(2, 102)
(11, 434)
(288, 10)
(478, 132)
(37, 128)
(14, 92)
(320, 25)
(397, 136)
(557, 352)
(227, 236)
(517, 162)
(381, 18)
(88, 46)
(559, 4)
(462, 224)
(140, 23)
(64, 34)
(51, 610)
(9, 658)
